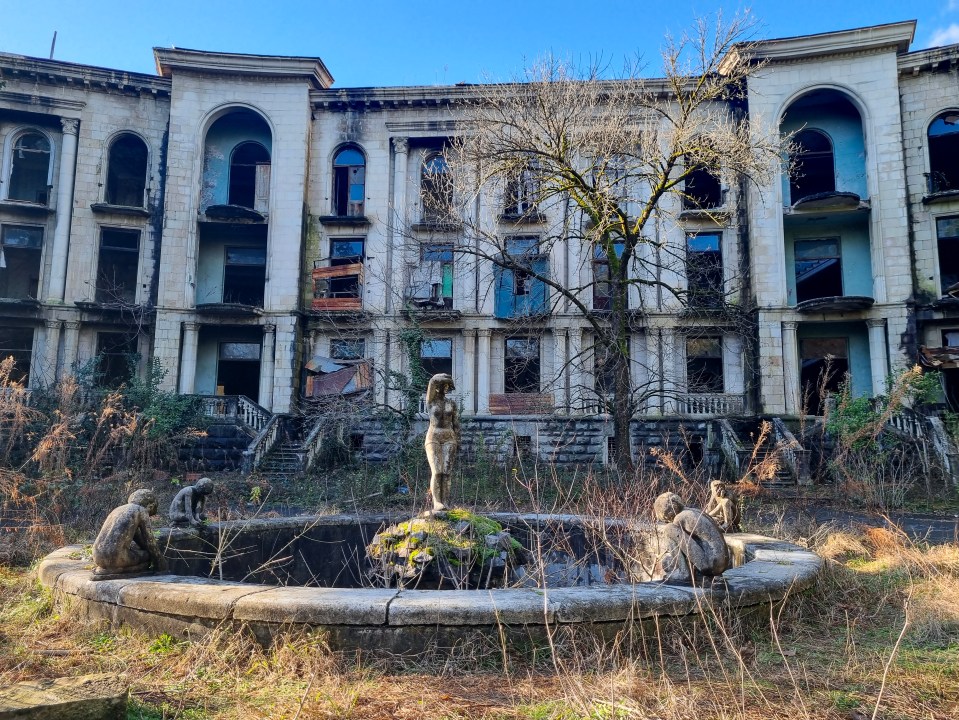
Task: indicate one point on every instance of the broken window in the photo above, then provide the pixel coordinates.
(522, 365)
(950, 338)
(349, 182)
(30, 169)
(17, 343)
(522, 249)
(244, 276)
(250, 176)
(117, 269)
(347, 348)
(944, 152)
(238, 369)
(117, 358)
(704, 365)
(521, 191)
(20, 247)
(436, 189)
(818, 269)
(825, 363)
(702, 189)
(704, 269)
(345, 252)
(432, 281)
(812, 164)
(436, 356)
(604, 372)
(947, 237)
(127, 173)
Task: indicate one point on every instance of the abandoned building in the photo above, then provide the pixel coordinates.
(268, 240)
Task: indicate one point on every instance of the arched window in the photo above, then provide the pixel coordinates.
(944, 152)
(436, 188)
(127, 171)
(349, 182)
(30, 169)
(250, 176)
(812, 162)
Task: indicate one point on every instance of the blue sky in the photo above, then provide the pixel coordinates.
(421, 42)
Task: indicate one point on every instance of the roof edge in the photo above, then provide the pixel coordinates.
(169, 60)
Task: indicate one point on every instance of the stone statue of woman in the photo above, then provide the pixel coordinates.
(442, 438)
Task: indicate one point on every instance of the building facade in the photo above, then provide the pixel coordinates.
(256, 232)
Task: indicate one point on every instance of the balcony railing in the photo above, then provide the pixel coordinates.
(236, 407)
(338, 287)
(710, 404)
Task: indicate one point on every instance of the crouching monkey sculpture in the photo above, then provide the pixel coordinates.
(189, 504)
(126, 545)
(692, 543)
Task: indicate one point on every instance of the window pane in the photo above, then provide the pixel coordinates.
(353, 349)
(25, 236)
(120, 240)
(702, 243)
(349, 156)
(947, 227)
(821, 347)
(437, 348)
(437, 253)
(343, 249)
(704, 347)
(816, 249)
(522, 245)
(245, 256)
(239, 351)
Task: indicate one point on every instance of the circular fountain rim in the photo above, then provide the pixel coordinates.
(770, 570)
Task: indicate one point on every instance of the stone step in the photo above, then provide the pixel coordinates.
(87, 697)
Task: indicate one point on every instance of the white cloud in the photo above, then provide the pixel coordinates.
(945, 36)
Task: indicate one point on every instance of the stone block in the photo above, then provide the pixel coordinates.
(88, 697)
(316, 606)
(470, 607)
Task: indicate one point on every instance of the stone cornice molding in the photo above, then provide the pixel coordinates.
(890, 37)
(930, 59)
(170, 60)
(84, 77)
(34, 101)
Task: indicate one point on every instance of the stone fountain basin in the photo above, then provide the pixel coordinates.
(390, 620)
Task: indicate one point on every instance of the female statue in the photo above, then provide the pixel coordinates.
(442, 437)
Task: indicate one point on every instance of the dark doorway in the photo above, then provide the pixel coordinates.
(247, 158)
(818, 269)
(238, 369)
(825, 365)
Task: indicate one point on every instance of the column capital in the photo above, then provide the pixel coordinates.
(401, 145)
(191, 326)
(485, 332)
(70, 126)
(53, 324)
(269, 329)
(790, 325)
(72, 324)
(875, 322)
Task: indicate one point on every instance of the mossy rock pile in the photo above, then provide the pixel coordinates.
(453, 548)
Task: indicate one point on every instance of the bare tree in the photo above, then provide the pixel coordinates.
(606, 165)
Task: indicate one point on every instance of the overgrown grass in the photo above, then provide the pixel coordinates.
(834, 652)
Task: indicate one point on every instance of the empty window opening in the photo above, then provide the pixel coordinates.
(818, 269)
(117, 358)
(117, 269)
(522, 365)
(349, 182)
(244, 276)
(825, 364)
(250, 176)
(348, 349)
(611, 446)
(704, 270)
(604, 373)
(126, 177)
(345, 252)
(944, 152)
(602, 288)
(812, 163)
(436, 189)
(30, 170)
(522, 249)
(436, 356)
(17, 343)
(704, 365)
(522, 446)
(433, 280)
(521, 193)
(950, 338)
(702, 189)
(20, 247)
(238, 369)
(356, 442)
(947, 238)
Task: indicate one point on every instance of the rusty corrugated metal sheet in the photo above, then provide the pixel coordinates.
(940, 358)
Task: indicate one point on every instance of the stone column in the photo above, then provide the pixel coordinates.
(399, 216)
(71, 341)
(468, 383)
(191, 333)
(791, 368)
(51, 348)
(576, 380)
(381, 365)
(669, 355)
(61, 232)
(483, 370)
(878, 357)
(654, 364)
(561, 369)
(267, 366)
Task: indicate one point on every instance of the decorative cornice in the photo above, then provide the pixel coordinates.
(34, 101)
(84, 77)
(170, 60)
(931, 59)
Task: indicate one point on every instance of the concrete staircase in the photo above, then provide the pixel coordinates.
(283, 461)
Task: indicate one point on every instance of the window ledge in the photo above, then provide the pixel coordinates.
(436, 226)
(231, 213)
(345, 220)
(25, 303)
(715, 214)
(532, 218)
(25, 208)
(940, 197)
(119, 209)
(229, 310)
(836, 201)
(840, 303)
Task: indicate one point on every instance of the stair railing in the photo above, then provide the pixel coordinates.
(311, 447)
(794, 456)
(730, 446)
(262, 444)
(251, 414)
(944, 448)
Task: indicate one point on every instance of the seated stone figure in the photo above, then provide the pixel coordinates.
(722, 507)
(692, 543)
(189, 504)
(126, 544)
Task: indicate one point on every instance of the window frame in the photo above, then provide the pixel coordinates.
(514, 380)
(436, 363)
(8, 169)
(705, 271)
(698, 381)
(101, 248)
(7, 248)
(954, 255)
(797, 158)
(436, 184)
(119, 137)
(345, 207)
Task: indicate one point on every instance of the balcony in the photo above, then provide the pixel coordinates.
(338, 288)
(710, 405)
